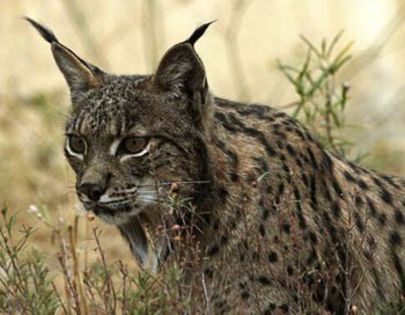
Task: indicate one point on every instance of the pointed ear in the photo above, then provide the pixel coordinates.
(181, 70)
(80, 75)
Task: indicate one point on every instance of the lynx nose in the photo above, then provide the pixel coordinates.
(92, 191)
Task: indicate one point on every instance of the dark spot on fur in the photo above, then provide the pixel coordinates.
(335, 209)
(377, 181)
(287, 172)
(269, 189)
(284, 308)
(399, 217)
(213, 250)
(215, 225)
(242, 285)
(358, 201)
(399, 268)
(290, 149)
(281, 188)
(372, 208)
(326, 190)
(297, 194)
(262, 231)
(382, 218)
(245, 295)
(314, 200)
(337, 188)
(264, 280)
(305, 179)
(395, 238)
(312, 158)
(390, 181)
(270, 308)
(327, 161)
(286, 228)
(368, 255)
(273, 257)
(223, 194)
(301, 219)
(311, 256)
(359, 222)
(386, 196)
(362, 184)
(266, 214)
(349, 177)
(313, 238)
(208, 272)
(299, 162)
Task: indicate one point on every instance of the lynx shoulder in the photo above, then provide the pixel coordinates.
(270, 221)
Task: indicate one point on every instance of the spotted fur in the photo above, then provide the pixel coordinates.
(279, 224)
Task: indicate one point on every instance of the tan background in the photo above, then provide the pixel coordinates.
(128, 36)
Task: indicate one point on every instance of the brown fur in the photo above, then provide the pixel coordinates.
(277, 223)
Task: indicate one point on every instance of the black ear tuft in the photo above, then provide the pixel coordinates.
(50, 37)
(198, 33)
(79, 74)
(45, 32)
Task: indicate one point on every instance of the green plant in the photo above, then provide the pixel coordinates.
(321, 100)
(25, 281)
(29, 286)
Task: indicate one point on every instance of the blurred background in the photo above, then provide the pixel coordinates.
(240, 52)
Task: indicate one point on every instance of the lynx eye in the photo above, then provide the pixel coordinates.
(134, 145)
(77, 144)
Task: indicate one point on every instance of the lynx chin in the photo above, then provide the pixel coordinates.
(267, 220)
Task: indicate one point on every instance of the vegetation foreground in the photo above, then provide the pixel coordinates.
(29, 285)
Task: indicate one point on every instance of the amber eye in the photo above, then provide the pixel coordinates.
(77, 144)
(133, 145)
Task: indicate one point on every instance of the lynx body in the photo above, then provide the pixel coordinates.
(269, 220)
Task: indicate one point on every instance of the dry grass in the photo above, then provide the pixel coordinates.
(240, 54)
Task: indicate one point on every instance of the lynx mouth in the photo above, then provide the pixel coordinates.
(105, 209)
(119, 206)
(114, 214)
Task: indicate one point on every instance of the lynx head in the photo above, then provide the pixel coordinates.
(129, 136)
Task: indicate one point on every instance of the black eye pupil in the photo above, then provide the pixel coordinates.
(77, 144)
(134, 145)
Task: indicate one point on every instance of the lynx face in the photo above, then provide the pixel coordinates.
(122, 145)
(130, 137)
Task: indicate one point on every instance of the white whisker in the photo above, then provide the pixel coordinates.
(176, 182)
(148, 198)
(147, 191)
